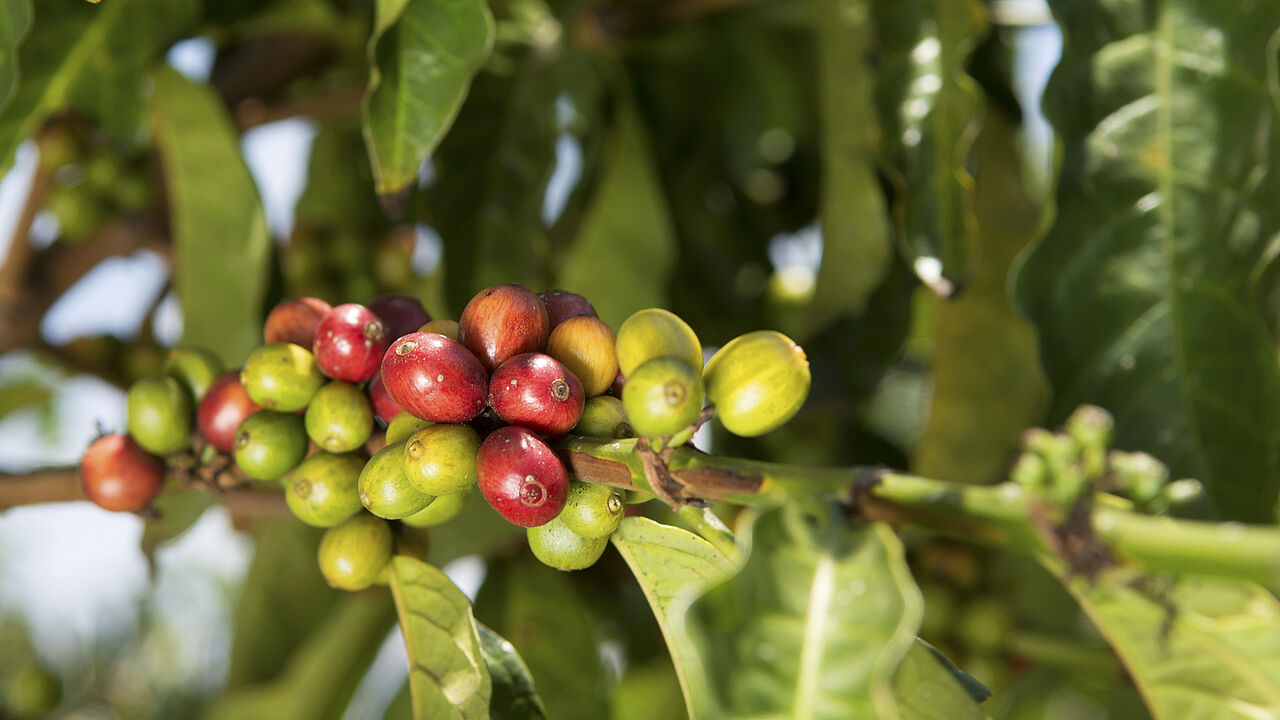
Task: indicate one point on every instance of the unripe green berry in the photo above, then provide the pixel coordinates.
(353, 554)
(556, 545)
(593, 510)
(269, 444)
(652, 333)
(322, 491)
(196, 368)
(757, 381)
(403, 425)
(282, 376)
(385, 490)
(339, 418)
(159, 411)
(662, 397)
(441, 459)
(441, 510)
(603, 417)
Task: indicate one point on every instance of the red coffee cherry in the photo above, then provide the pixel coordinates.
(119, 475)
(349, 344)
(562, 305)
(501, 322)
(294, 321)
(538, 392)
(224, 407)
(521, 477)
(384, 407)
(434, 378)
(400, 313)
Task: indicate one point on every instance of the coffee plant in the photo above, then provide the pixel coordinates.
(743, 346)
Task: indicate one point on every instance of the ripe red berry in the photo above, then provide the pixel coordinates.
(434, 378)
(501, 322)
(400, 313)
(294, 321)
(521, 477)
(224, 407)
(562, 305)
(350, 341)
(538, 392)
(384, 406)
(119, 475)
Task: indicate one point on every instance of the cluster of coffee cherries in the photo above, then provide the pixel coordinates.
(472, 403)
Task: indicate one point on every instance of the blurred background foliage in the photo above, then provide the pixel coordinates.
(863, 175)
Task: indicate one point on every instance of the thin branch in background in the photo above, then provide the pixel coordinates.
(252, 112)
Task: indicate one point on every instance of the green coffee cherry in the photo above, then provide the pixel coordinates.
(662, 397)
(654, 333)
(441, 459)
(757, 382)
(159, 411)
(1091, 426)
(559, 547)
(339, 417)
(196, 368)
(593, 510)
(385, 490)
(603, 417)
(440, 511)
(403, 425)
(323, 490)
(282, 376)
(269, 444)
(353, 554)
(1030, 471)
(1139, 475)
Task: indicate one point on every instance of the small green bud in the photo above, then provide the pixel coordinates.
(1138, 475)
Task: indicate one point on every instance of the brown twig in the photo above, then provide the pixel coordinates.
(252, 112)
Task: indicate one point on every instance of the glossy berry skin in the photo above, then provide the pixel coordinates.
(270, 444)
(603, 417)
(434, 378)
(501, 322)
(349, 343)
(441, 510)
(223, 408)
(757, 381)
(537, 392)
(339, 418)
(562, 305)
(384, 407)
(119, 475)
(520, 477)
(195, 368)
(447, 328)
(281, 377)
(400, 314)
(441, 459)
(353, 554)
(662, 397)
(554, 544)
(652, 333)
(294, 321)
(159, 414)
(322, 490)
(593, 510)
(586, 346)
(404, 425)
(384, 488)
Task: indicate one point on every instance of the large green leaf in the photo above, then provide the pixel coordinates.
(220, 235)
(626, 247)
(514, 697)
(987, 381)
(90, 57)
(544, 617)
(319, 678)
(814, 625)
(448, 677)
(1200, 647)
(855, 228)
(926, 689)
(422, 56)
(491, 173)
(174, 513)
(15, 19)
(930, 109)
(674, 567)
(1141, 290)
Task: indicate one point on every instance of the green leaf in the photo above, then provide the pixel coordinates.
(627, 225)
(987, 381)
(541, 613)
(491, 174)
(339, 191)
(92, 58)
(926, 686)
(673, 567)
(220, 234)
(15, 20)
(855, 228)
(448, 677)
(1142, 291)
(322, 675)
(422, 56)
(514, 697)
(930, 109)
(813, 626)
(1198, 648)
(175, 512)
(649, 691)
